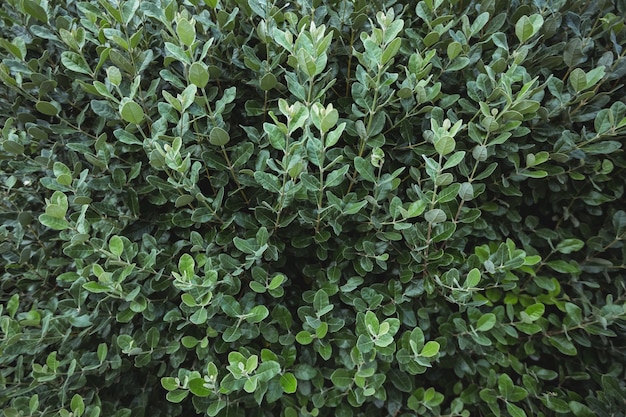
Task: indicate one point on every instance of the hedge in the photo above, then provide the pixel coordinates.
(312, 208)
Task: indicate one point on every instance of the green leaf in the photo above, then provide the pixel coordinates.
(365, 169)
(486, 322)
(289, 383)
(435, 216)
(527, 26)
(268, 81)
(267, 370)
(430, 349)
(257, 314)
(304, 338)
(132, 112)
(341, 378)
(444, 145)
(36, 11)
(563, 344)
(567, 246)
(197, 388)
(453, 50)
(102, 352)
(580, 410)
(198, 74)
(152, 337)
(96, 287)
(320, 300)
(177, 395)
(514, 410)
(13, 147)
(535, 311)
(169, 383)
(578, 80)
(186, 265)
(390, 51)
(268, 181)
(218, 136)
(186, 32)
(77, 405)
(116, 245)
(49, 108)
(75, 62)
(54, 222)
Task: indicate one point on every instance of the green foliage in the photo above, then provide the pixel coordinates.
(350, 208)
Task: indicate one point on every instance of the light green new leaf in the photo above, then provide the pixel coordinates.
(289, 383)
(77, 405)
(430, 349)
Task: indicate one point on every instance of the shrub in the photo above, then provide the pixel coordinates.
(315, 208)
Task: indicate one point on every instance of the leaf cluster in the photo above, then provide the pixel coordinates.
(315, 208)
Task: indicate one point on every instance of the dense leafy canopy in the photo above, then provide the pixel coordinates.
(314, 208)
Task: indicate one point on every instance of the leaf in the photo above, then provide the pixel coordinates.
(563, 344)
(197, 388)
(514, 410)
(430, 349)
(267, 370)
(219, 137)
(320, 300)
(54, 222)
(289, 383)
(39, 13)
(152, 337)
(132, 112)
(13, 147)
(578, 80)
(486, 322)
(186, 32)
(435, 216)
(390, 51)
(116, 245)
(527, 26)
(568, 246)
(198, 74)
(75, 62)
(257, 314)
(341, 378)
(304, 338)
(102, 352)
(96, 287)
(478, 24)
(186, 265)
(49, 108)
(275, 135)
(177, 395)
(535, 311)
(268, 181)
(365, 169)
(77, 405)
(444, 145)
(268, 81)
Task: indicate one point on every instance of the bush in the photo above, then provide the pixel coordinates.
(316, 208)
